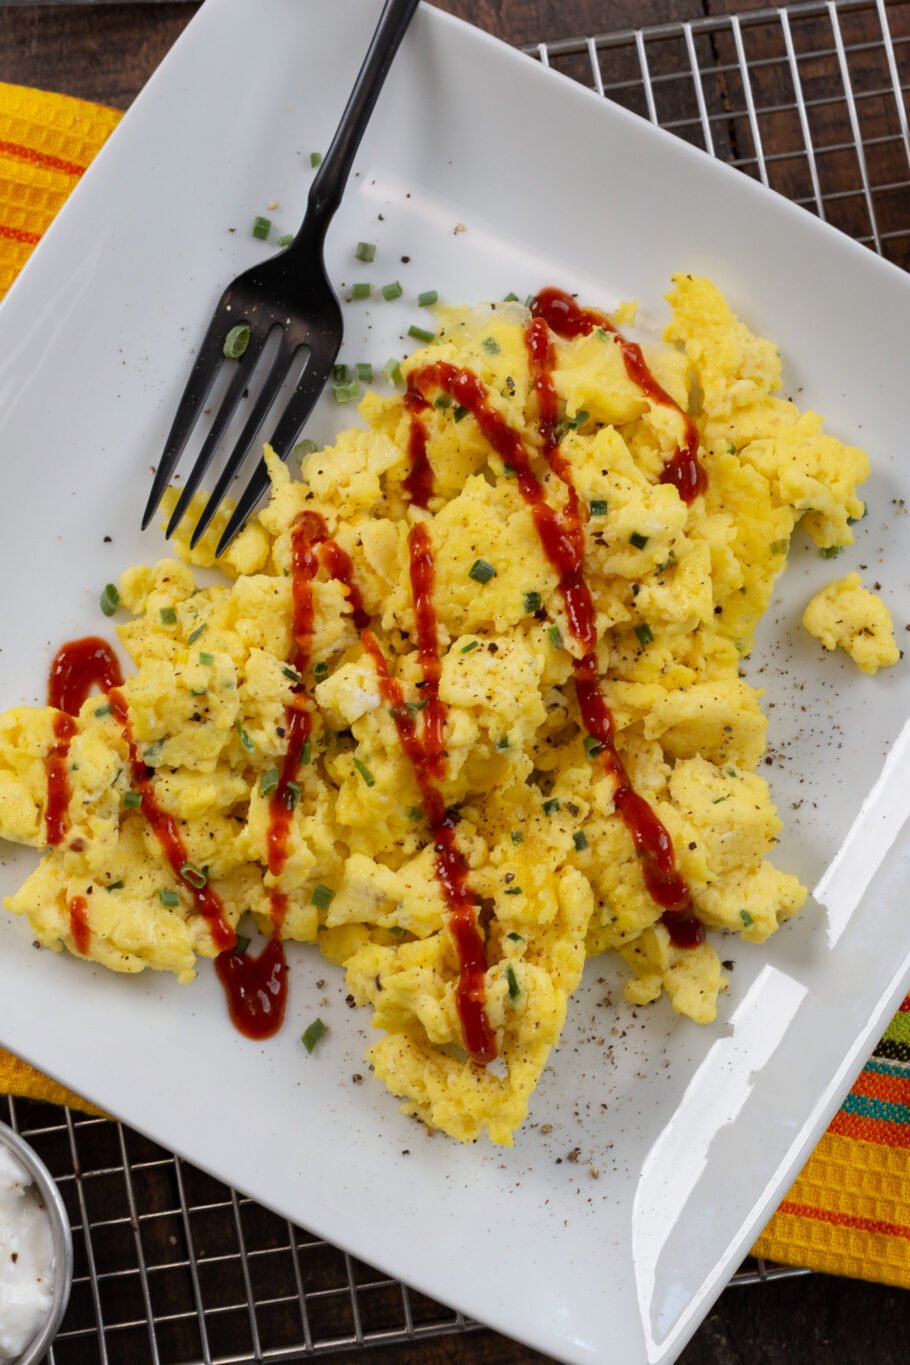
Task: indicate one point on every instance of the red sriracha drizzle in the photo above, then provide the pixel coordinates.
(564, 317)
(76, 668)
(562, 540)
(426, 761)
(79, 925)
(167, 831)
(256, 987)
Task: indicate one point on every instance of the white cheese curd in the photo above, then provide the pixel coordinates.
(26, 1259)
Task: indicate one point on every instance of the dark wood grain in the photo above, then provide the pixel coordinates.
(106, 52)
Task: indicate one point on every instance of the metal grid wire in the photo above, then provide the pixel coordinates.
(175, 1267)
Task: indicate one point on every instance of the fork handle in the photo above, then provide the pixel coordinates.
(332, 176)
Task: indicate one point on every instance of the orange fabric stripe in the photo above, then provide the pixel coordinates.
(19, 235)
(43, 159)
(879, 1131)
(846, 1220)
(894, 1089)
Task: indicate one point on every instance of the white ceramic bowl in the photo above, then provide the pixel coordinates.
(63, 1241)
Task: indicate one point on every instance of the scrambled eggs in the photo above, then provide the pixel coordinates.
(554, 873)
(847, 614)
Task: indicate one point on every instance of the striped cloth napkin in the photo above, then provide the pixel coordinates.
(849, 1211)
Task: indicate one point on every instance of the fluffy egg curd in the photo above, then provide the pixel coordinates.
(467, 709)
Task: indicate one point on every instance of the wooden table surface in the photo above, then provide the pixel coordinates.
(106, 52)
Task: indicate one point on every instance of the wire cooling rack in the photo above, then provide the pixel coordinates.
(173, 1267)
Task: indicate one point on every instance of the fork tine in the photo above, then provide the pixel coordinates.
(202, 376)
(267, 395)
(242, 373)
(300, 405)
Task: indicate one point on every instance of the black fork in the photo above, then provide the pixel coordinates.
(290, 293)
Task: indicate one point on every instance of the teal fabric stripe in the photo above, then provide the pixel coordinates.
(868, 1108)
(884, 1069)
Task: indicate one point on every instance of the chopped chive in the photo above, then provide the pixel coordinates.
(241, 943)
(466, 649)
(645, 634)
(291, 673)
(510, 298)
(361, 291)
(305, 447)
(579, 419)
(206, 659)
(169, 898)
(593, 746)
(502, 744)
(517, 836)
(244, 737)
(427, 298)
(731, 448)
(311, 1035)
(305, 755)
(100, 711)
(598, 507)
(261, 227)
(531, 602)
(779, 547)
(415, 813)
(110, 599)
(199, 691)
(746, 918)
(717, 800)
(392, 291)
(831, 551)
(236, 341)
(580, 840)
(346, 393)
(392, 371)
(461, 412)
(364, 372)
(132, 800)
(285, 239)
(397, 930)
(341, 374)
(322, 896)
(321, 670)
(530, 300)
(490, 345)
(194, 636)
(555, 635)
(481, 571)
(414, 706)
(731, 772)
(315, 159)
(268, 782)
(366, 251)
(551, 806)
(194, 875)
(638, 540)
(513, 891)
(168, 616)
(421, 334)
(114, 886)
(443, 401)
(514, 988)
(365, 773)
(292, 795)
(516, 938)
(151, 752)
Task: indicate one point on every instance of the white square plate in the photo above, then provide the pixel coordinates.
(694, 1132)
